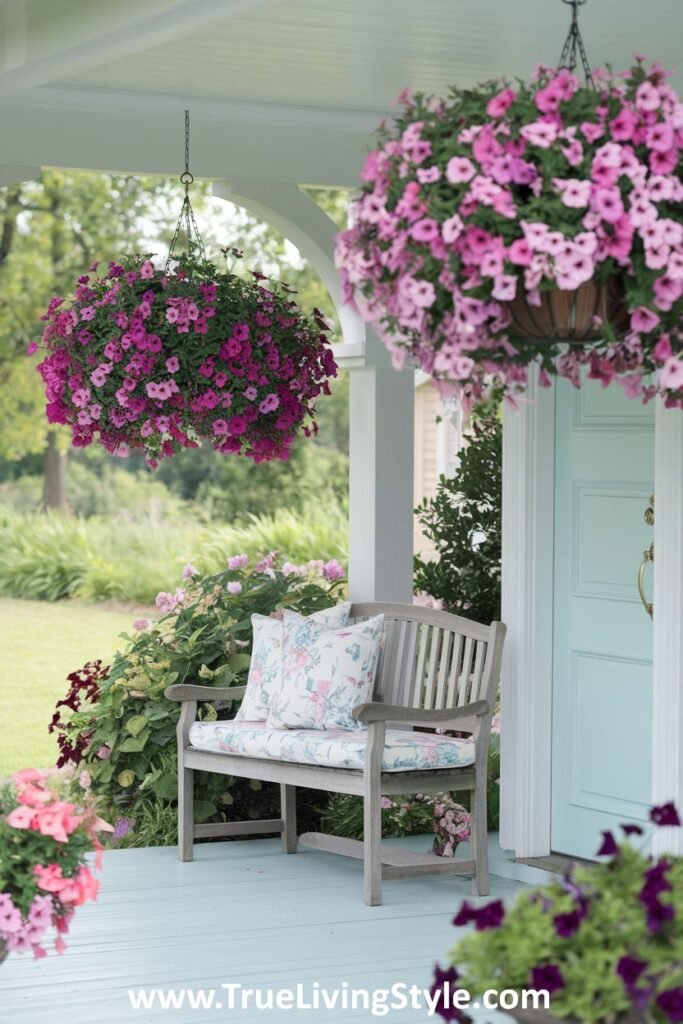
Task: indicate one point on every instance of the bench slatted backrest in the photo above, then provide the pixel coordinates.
(433, 660)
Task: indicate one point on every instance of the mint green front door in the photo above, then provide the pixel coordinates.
(602, 643)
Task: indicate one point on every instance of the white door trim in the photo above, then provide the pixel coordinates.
(527, 608)
(667, 681)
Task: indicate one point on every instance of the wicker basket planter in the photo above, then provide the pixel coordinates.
(571, 316)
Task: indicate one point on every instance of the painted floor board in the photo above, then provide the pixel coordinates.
(244, 913)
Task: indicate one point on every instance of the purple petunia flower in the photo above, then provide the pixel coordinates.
(446, 982)
(489, 916)
(567, 924)
(631, 830)
(609, 846)
(547, 977)
(665, 814)
(670, 1002)
(629, 970)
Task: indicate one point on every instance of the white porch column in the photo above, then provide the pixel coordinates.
(527, 600)
(382, 406)
(381, 478)
(667, 694)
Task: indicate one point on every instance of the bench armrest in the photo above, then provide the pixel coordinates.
(376, 712)
(188, 691)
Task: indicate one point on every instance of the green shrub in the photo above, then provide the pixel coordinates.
(463, 521)
(117, 724)
(132, 558)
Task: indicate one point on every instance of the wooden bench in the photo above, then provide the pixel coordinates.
(437, 671)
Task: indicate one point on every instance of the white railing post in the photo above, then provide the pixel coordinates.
(527, 609)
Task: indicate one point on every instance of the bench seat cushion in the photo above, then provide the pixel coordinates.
(332, 748)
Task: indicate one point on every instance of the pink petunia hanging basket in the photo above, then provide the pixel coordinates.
(502, 223)
(160, 360)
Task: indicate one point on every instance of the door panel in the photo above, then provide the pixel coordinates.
(602, 680)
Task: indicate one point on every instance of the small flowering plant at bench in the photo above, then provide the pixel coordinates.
(501, 205)
(605, 941)
(163, 359)
(115, 723)
(44, 841)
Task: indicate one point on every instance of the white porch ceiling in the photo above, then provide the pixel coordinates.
(285, 90)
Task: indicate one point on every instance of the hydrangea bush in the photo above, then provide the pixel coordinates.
(605, 941)
(44, 840)
(116, 726)
(160, 360)
(502, 193)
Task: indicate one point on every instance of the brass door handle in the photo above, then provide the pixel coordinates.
(648, 558)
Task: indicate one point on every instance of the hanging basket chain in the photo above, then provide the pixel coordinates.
(186, 220)
(574, 45)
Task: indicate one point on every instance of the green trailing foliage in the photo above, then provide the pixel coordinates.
(463, 523)
(605, 941)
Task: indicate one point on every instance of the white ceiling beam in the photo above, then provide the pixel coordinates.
(289, 145)
(129, 36)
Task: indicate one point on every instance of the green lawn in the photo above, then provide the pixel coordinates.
(41, 644)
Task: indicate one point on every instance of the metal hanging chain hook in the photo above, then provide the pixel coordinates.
(186, 219)
(574, 45)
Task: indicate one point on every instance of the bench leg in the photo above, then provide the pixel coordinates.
(185, 814)
(288, 814)
(480, 844)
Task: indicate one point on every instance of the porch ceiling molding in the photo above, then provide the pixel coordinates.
(667, 697)
(527, 609)
(105, 32)
(246, 142)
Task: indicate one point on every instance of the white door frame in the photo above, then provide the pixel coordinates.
(527, 608)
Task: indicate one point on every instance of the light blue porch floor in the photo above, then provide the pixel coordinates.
(243, 912)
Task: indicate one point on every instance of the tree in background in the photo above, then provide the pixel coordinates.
(463, 522)
(52, 230)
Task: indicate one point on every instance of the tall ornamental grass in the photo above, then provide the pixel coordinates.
(48, 557)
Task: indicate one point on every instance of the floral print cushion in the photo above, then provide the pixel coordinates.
(265, 670)
(325, 673)
(332, 748)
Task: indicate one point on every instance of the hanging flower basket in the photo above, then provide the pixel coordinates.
(164, 359)
(501, 223)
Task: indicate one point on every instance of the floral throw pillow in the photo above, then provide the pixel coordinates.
(265, 670)
(325, 673)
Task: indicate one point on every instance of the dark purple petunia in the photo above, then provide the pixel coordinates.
(632, 830)
(547, 977)
(567, 925)
(629, 970)
(671, 1003)
(657, 914)
(446, 981)
(656, 880)
(609, 846)
(665, 814)
(489, 916)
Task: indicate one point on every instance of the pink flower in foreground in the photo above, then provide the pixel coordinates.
(671, 374)
(234, 587)
(643, 320)
(189, 571)
(140, 625)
